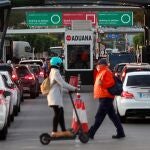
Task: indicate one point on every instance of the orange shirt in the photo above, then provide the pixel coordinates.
(104, 80)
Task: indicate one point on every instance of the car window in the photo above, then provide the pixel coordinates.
(1, 82)
(22, 71)
(5, 81)
(6, 68)
(120, 68)
(7, 77)
(35, 69)
(139, 80)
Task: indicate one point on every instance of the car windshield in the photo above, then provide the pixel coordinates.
(139, 80)
(35, 69)
(120, 68)
(22, 71)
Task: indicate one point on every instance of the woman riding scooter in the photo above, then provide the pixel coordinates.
(55, 97)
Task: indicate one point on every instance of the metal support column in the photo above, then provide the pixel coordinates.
(147, 26)
(6, 19)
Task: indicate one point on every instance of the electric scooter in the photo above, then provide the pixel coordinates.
(45, 138)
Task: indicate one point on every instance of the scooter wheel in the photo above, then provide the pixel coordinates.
(45, 138)
(83, 137)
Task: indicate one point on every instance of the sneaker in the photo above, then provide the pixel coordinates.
(118, 136)
(90, 137)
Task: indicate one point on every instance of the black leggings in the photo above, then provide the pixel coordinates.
(58, 118)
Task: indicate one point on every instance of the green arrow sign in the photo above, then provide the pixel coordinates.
(44, 19)
(116, 18)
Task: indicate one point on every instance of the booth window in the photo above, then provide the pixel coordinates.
(78, 56)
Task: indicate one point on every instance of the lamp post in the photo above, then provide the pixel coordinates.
(33, 55)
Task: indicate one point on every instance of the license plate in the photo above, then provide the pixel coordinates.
(144, 95)
(25, 88)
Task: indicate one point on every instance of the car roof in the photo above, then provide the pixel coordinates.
(137, 66)
(31, 60)
(138, 73)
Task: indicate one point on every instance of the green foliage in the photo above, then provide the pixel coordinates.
(39, 42)
(138, 39)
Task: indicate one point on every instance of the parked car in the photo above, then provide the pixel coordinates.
(133, 67)
(3, 116)
(8, 96)
(28, 79)
(16, 95)
(11, 68)
(135, 98)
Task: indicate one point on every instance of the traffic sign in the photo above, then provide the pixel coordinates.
(113, 36)
(44, 18)
(70, 16)
(115, 18)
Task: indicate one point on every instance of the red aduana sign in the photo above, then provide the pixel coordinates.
(69, 16)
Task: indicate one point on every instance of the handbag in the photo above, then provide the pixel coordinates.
(45, 86)
(116, 89)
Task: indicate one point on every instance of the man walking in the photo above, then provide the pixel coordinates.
(104, 80)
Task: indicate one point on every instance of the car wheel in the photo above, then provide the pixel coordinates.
(9, 120)
(16, 110)
(3, 133)
(19, 107)
(22, 99)
(12, 117)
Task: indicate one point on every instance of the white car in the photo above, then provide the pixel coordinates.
(135, 98)
(8, 97)
(16, 95)
(3, 116)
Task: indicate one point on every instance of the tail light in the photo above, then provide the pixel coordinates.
(29, 77)
(127, 95)
(2, 102)
(1, 91)
(14, 76)
(41, 74)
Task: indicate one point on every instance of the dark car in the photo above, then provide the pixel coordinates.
(134, 67)
(28, 79)
(12, 71)
(39, 72)
(118, 69)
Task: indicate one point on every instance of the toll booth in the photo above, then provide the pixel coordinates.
(79, 55)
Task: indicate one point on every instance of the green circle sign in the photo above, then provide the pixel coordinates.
(125, 18)
(55, 19)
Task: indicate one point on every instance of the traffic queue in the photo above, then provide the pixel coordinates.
(16, 82)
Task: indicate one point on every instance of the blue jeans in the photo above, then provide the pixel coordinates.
(106, 107)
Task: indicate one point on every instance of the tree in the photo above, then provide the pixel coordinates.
(138, 39)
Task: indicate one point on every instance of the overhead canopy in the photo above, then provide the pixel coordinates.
(21, 3)
(5, 3)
